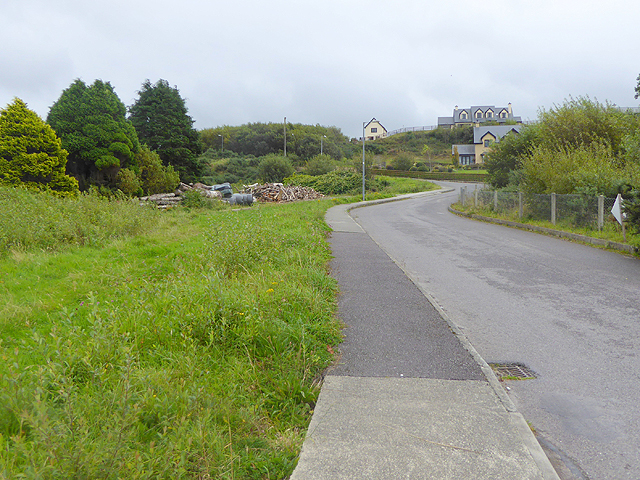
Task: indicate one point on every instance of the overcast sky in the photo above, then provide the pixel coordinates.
(333, 62)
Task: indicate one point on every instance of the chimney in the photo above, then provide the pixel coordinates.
(509, 108)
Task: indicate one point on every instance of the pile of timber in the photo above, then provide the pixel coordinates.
(277, 192)
(168, 200)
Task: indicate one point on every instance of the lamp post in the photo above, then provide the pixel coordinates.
(363, 127)
(285, 136)
(222, 138)
(323, 136)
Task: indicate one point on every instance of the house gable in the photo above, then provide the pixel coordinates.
(374, 129)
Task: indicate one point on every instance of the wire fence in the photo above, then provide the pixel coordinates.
(412, 129)
(583, 211)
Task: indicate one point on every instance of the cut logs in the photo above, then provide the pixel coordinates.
(277, 192)
(267, 192)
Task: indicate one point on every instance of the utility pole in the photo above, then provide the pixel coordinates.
(285, 136)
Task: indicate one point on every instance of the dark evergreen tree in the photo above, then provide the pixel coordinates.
(161, 120)
(91, 122)
(30, 152)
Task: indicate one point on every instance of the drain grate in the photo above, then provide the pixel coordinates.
(513, 371)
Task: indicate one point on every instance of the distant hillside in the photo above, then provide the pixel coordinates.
(258, 139)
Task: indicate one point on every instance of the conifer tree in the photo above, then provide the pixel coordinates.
(91, 122)
(30, 152)
(161, 120)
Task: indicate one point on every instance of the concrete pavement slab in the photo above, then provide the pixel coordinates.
(413, 428)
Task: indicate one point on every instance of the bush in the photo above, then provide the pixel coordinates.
(155, 177)
(587, 169)
(195, 199)
(402, 162)
(334, 183)
(274, 168)
(129, 183)
(319, 165)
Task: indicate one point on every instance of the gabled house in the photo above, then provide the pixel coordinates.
(478, 115)
(373, 130)
(483, 137)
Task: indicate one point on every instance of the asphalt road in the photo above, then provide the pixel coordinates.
(569, 312)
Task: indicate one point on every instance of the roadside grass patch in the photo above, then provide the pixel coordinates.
(610, 231)
(191, 349)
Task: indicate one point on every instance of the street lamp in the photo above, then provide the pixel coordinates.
(222, 138)
(323, 136)
(363, 127)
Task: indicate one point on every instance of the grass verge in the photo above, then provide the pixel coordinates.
(611, 230)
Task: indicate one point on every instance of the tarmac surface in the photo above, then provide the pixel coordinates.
(409, 397)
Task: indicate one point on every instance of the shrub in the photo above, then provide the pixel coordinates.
(319, 165)
(274, 168)
(155, 177)
(129, 183)
(588, 168)
(195, 199)
(402, 162)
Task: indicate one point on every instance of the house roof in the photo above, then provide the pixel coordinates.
(498, 131)
(464, 149)
(445, 120)
(471, 115)
(374, 120)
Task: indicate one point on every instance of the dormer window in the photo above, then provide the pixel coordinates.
(503, 114)
(479, 114)
(463, 116)
(489, 114)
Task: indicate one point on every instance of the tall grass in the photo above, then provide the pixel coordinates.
(191, 351)
(39, 221)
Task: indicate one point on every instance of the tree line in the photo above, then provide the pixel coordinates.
(90, 139)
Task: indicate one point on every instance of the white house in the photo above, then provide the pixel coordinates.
(374, 130)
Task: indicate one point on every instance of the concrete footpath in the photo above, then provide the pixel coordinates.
(410, 398)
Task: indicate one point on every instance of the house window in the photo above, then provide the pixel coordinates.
(503, 114)
(487, 143)
(463, 116)
(489, 114)
(479, 114)
(374, 130)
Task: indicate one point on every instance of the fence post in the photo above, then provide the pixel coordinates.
(495, 200)
(462, 194)
(553, 208)
(600, 212)
(520, 205)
